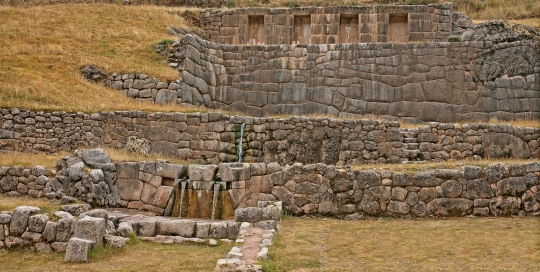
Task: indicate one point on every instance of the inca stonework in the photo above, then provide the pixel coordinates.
(215, 137)
(423, 78)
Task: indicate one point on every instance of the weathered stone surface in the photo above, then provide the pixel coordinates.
(98, 213)
(63, 230)
(450, 207)
(249, 214)
(477, 188)
(219, 230)
(398, 207)
(399, 194)
(115, 241)
(513, 186)
(451, 189)
(95, 158)
(19, 219)
(202, 172)
(124, 229)
(162, 196)
(472, 172)
(234, 171)
(368, 178)
(375, 199)
(76, 209)
(36, 223)
(91, 228)
(425, 180)
(504, 206)
(184, 227)
(130, 189)
(127, 170)
(49, 232)
(78, 250)
(169, 170)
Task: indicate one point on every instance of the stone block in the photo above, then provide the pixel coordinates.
(36, 223)
(19, 219)
(219, 230)
(124, 229)
(234, 171)
(115, 241)
(169, 170)
(184, 227)
(450, 207)
(130, 189)
(77, 250)
(202, 172)
(49, 232)
(91, 228)
(59, 246)
(202, 230)
(162, 196)
(127, 170)
(95, 158)
(249, 214)
(63, 230)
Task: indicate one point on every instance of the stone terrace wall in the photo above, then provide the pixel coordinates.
(18, 180)
(498, 190)
(425, 23)
(444, 82)
(214, 137)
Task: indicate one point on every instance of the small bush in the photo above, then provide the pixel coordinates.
(231, 3)
(292, 4)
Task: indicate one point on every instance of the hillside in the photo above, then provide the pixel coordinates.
(44, 46)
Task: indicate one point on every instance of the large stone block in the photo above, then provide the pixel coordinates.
(49, 232)
(169, 170)
(249, 214)
(36, 223)
(450, 207)
(202, 172)
(129, 189)
(19, 219)
(63, 230)
(162, 196)
(234, 171)
(127, 170)
(95, 158)
(166, 96)
(78, 250)
(184, 228)
(91, 228)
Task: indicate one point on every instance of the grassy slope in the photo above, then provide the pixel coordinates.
(43, 47)
(458, 244)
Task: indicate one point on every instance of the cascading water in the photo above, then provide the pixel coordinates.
(217, 186)
(182, 189)
(239, 149)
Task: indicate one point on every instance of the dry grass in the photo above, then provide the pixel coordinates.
(124, 155)
(30, 160)
(10, 203)
(43, 47)
(145, 256)
(460, 244)
(425, 166)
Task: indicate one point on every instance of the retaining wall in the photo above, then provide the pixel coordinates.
(444, 82)
(327, 24)
(214, 137)
(23, 181)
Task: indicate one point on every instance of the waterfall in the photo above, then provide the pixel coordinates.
(239, 150)
(182, 188)
(214, 201)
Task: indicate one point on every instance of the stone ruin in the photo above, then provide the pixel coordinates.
(406, 63)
